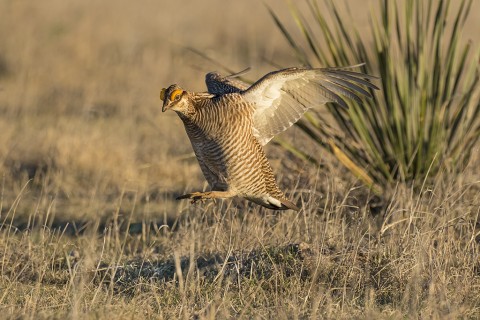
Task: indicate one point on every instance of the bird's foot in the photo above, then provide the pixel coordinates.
(202, 196)
(195, 196)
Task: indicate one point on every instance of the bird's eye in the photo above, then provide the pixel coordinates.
(176, 95)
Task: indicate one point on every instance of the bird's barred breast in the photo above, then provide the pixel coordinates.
(223, 142)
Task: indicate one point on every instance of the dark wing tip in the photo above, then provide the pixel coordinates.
(330, 92)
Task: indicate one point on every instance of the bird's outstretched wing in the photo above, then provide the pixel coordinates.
(218, 84)
(282, 97)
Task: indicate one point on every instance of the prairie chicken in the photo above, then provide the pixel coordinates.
(229, 124)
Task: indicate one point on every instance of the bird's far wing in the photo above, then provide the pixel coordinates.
(281, 98)
(218, 84)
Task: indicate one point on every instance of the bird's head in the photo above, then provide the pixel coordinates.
(174, 98)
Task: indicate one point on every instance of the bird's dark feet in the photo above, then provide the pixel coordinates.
(195, 196)
(202, 196)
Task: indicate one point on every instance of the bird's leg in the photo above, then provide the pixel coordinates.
(195, 196)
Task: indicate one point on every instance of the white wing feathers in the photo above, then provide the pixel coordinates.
(282, 97)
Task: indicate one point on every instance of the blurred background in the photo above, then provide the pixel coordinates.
(80, 116)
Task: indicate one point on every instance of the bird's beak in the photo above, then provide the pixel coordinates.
(162, 97)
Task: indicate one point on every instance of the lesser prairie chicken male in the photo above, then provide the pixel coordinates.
(229, 124)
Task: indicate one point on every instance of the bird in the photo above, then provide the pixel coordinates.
(229, 124)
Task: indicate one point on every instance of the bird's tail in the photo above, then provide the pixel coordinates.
(287, 204)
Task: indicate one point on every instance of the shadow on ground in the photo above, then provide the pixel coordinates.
(287, 261)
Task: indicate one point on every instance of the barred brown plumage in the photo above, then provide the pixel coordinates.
(229, 124)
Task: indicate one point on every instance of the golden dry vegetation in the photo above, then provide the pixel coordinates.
(89, 168)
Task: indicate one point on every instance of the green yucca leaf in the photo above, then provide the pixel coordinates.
(304, 28)
(300, 53)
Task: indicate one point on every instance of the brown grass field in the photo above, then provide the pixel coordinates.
(90, 167)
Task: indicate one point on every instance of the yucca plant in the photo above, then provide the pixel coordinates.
(426, 116)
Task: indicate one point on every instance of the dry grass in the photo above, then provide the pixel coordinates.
(89, 167)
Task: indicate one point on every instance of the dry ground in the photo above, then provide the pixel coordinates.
(89, 167)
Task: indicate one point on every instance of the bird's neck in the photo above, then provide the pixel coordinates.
(198, 101)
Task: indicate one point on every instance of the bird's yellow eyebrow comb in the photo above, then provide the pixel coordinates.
(175, 93)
